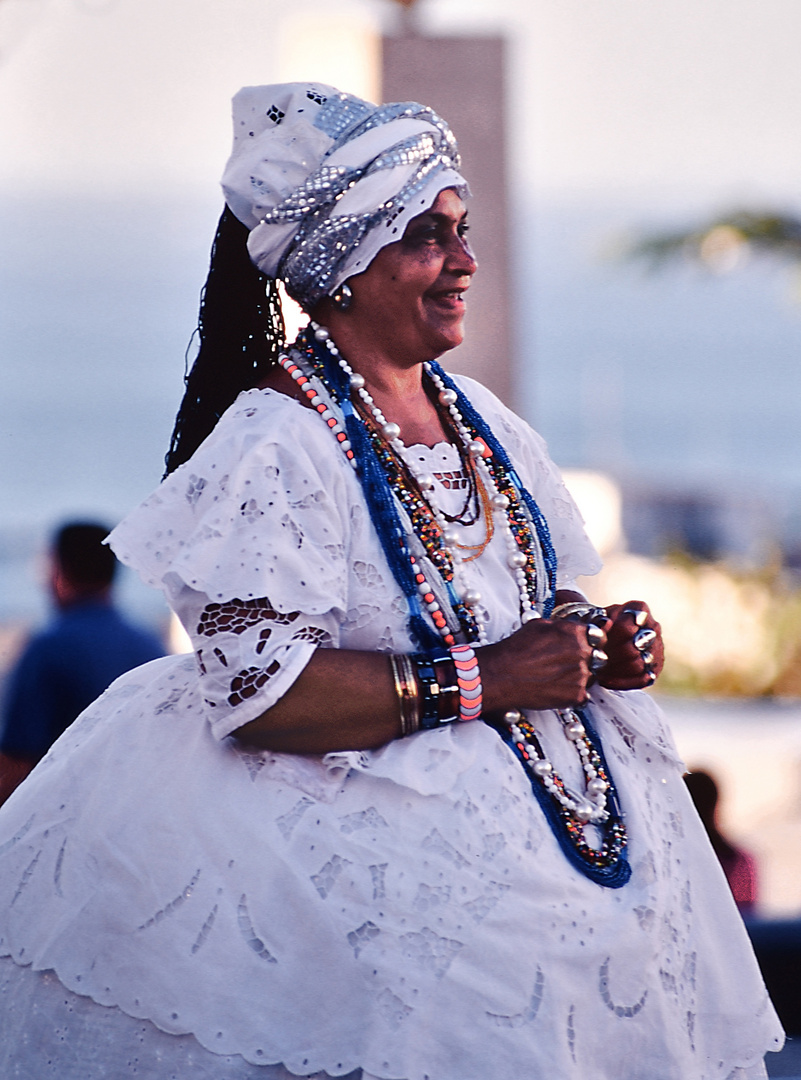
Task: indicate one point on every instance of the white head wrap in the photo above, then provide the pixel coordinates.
(324, 180)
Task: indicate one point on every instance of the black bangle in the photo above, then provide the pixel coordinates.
(434, 698)
(448, 689)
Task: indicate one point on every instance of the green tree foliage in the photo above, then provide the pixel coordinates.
(723, 243)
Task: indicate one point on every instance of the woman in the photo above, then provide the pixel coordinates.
(331, 844)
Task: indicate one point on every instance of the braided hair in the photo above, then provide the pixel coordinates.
(240, 332)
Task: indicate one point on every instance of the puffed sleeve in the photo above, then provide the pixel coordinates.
(248, 542)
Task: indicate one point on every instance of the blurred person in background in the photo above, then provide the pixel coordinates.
(74, 658)
(406, 813)
(739, 866)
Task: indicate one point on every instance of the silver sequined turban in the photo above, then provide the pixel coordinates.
(324, 180)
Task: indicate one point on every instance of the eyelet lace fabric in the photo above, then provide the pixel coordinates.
(404, 911)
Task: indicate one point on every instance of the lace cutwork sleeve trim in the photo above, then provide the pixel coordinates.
(246, 684)
(237, 616)
(249, 653)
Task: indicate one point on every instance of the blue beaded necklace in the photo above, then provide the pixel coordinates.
(504, 475)
(607, 865)
(526, 520)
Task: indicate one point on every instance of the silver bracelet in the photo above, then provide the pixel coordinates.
(581, 611)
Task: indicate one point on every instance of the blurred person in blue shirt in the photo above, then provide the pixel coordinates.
(74, 658)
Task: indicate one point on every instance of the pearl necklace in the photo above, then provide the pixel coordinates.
(517, 559)
(598, 805)
(568, 813)
(319, 397)
(591, 809)
(524, 556)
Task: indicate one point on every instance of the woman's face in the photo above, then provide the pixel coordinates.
(410, 300)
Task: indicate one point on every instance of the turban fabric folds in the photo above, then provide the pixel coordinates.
(323, 180)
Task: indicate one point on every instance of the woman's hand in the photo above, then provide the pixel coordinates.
(634, 662)
(346, 699)
(544, 665)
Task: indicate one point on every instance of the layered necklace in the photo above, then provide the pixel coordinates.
(569, 812)
(435, 590)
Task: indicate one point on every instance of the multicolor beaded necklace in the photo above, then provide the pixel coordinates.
(567, 812)
(374, 449)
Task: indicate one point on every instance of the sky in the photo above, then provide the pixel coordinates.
(605, 95)
(114, 128)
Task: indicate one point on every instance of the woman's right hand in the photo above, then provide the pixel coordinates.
(544, 665)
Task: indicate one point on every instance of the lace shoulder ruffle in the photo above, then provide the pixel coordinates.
(261, 509)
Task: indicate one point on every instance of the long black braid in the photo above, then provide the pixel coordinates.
(240, 332)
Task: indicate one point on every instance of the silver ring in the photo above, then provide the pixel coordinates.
(597, 616)
(648, 660)
(639, 614)
(643, 638)
(598, 660)
(595, 634)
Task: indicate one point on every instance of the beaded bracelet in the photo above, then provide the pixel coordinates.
(408, 691)
(469, 678)
(429, 691)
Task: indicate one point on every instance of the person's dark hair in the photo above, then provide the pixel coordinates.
(240, 331)
(87, 563)
(704, 793)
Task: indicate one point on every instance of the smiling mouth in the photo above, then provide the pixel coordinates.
(450, 298)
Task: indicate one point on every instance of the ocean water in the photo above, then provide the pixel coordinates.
(97, 304)
(677, 376)
(675, 381)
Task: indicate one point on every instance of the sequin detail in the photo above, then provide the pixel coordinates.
(323, 241)
(338, 114)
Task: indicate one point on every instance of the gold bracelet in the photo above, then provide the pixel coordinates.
(398, 692)
(408, 693)
(411, 695)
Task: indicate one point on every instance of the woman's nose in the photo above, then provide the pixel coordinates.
(461, 259)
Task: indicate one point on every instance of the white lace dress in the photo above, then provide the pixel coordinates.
(404, 913)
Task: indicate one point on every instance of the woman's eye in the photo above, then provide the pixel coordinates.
(435, 233)
(421, 237)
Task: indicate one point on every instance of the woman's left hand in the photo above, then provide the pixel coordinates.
(634, 647)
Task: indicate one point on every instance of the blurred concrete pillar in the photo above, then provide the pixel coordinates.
(462, 79)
